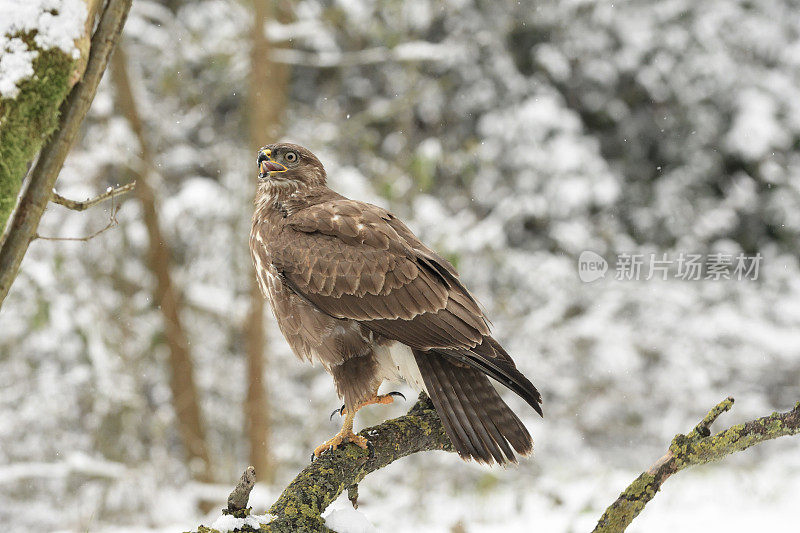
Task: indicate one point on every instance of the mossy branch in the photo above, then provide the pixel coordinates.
(698, 447)
(302, 503)
(21, 228)
(28, 119)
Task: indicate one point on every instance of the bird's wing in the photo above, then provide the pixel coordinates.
(357, 261)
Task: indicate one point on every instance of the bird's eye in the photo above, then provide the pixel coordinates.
(291, 157)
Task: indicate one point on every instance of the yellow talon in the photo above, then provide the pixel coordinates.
(346, 433)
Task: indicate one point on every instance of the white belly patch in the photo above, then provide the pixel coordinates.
(396, 362)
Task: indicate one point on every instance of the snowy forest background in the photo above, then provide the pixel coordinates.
(511, 136)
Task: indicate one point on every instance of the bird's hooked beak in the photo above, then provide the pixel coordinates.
(267, 165)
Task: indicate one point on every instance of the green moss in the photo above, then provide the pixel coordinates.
(28, 120)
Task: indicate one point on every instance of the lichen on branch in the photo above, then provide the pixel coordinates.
(696, 448)
(300, 506)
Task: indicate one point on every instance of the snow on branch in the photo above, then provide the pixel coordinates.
(29, 27)
(696, 448)
(22, 226)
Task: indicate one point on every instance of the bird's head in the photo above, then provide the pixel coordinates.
(290, 165)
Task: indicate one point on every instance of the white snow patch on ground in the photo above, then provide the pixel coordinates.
(717, 497)
(57, 24)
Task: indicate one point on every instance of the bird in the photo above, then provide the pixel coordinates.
(352, 288)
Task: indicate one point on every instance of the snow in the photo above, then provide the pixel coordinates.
(16, 64)
(756, 129)
(76, 463)
(342, 518)
(711, 498)
(57, 23)
(228, 522)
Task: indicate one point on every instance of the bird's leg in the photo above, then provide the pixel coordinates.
(346, 433)
(376, 398)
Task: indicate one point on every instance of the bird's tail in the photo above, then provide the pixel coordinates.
(479, 423)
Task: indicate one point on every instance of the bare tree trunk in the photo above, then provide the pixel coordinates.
(185, 398)
(266, 99)
(257, 404)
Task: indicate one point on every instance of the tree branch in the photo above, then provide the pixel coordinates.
(300, 506)
(237, 501)
(112, 222)
(76, 205)
(302, 503)
(698, 447)
(29, 117)
(415, 51)
(25, 220)
(86, 204)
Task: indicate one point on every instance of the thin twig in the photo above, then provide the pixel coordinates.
(76, 205)
(411, 52)
(703, 429)
(698, 447)
(111, 223)
(38, 191)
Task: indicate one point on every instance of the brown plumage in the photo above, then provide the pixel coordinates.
(353, 288)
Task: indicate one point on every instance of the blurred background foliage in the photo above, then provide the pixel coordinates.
(511, 136)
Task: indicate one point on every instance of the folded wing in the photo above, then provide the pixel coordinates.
(357, 261)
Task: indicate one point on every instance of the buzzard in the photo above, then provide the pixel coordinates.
(354, 289)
